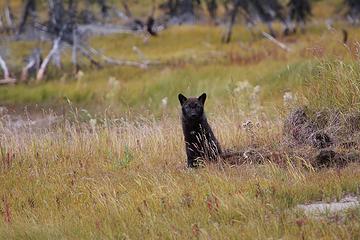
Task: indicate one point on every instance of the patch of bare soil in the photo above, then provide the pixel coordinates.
(347, 202)
(16, 122)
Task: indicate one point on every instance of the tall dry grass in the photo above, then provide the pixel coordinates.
(121, 179)
(92, 177)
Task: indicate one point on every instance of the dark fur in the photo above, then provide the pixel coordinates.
(200, 141)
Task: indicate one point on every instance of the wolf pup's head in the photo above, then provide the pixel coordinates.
(192, 108)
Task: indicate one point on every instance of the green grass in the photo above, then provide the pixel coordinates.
(198, 63)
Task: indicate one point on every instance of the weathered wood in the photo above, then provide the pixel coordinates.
(113, 61)
(25, 70)
(345, 36)
(7, 81)
(212, 7)
(227, 36)
(126, 9)
(41, 72)
(140, 55)
(276, 42)
(1, 23)
(29, 10)
(76, 66)
(9, 17)
(4, 68)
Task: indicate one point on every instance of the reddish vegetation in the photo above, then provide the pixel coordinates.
(255, 57)
(6, 210)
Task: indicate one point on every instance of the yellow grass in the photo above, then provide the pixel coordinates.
(113, 164)
(128, 180)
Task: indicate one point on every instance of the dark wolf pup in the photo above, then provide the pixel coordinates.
(200, 141)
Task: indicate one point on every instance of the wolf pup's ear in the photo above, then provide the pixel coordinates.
(202, 98)
(182, 99)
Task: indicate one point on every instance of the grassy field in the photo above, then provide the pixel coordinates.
(200, 59)
(112, 166)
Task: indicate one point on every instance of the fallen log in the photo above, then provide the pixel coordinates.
(88, 55)
(119, 62)
(7, 81)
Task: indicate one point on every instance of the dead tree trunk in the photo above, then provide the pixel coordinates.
(43, 67)
(186, 6)
(9, 17)
(299, 12)
(26, 69)
(29, 10)
(7, 79)
(1, 23)
(76, 66)
(126, 9)
(227, 36)
(4, 68)
(212, 6)
(104, 8)
(172, 6)
(32, 65)
(181, 11)
(353, 11)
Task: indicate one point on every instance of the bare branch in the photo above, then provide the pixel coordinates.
(140, 54)
(113, 61)
(276, 42)
(87, 54)
(126, 9)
